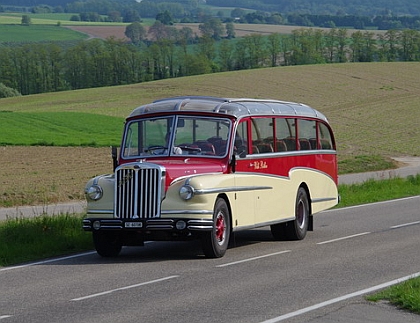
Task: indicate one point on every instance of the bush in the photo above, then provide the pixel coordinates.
(6, 92)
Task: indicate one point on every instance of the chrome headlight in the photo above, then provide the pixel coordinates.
(94, 192)
(186, 192)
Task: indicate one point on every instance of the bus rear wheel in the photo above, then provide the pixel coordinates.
(215, 242)
(296, 229)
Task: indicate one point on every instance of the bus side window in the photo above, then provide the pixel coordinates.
(325, 137)
(307, 134)
(285, 134)
(262, 135)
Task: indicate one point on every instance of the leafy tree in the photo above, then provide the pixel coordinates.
(357, 46)
(7, 92)
(256, 50)
(391, 41)
(274, 47)
(26, 20)
(342, 45)
(114, 16)
(197, 64)
(275, 19)
(307, 47)
(158, 31)
(76, 70)
(226, 55)
(185, 37)
(131, 15)
(165, 17)
(369, 46)
(237, 13)
(331, 45)
(162, 54)
(241, 55)
(335, 45)
(212, 28)
(410, 45)
(230, 30)
(206, 48)
(135, 32)
(90, 16)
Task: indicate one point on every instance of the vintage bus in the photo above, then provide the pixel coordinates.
(204, 167)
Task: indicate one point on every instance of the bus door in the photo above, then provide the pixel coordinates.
(245, 197)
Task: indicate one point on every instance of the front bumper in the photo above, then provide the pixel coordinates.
(146, 225)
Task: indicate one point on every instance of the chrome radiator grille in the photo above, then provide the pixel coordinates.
(138, 191)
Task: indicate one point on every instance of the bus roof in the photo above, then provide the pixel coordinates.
(238, 107)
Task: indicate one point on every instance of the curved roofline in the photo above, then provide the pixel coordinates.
(238, 107)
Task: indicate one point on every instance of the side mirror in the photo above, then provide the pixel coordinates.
(114, 154)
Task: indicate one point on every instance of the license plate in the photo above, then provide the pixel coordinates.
(133, 224)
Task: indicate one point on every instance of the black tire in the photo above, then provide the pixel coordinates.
(279, 231)
(107, 243)
(215, 242)
(296, 229)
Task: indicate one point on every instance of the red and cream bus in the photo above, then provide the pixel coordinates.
(204, 167)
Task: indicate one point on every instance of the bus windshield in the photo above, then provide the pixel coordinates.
(176, 136)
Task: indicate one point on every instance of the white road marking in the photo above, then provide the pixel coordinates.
(123, 288)
(343, 238)
(370, 204)
(4, 316)
(253, 258)
(341, 298)
(48, 261)
(405, 225)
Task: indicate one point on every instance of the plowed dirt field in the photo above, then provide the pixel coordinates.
(240, 30)
(47, 175)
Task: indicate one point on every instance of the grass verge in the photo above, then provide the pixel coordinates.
(364, 163)
(29, 239)
(375, 191)
(405, 295)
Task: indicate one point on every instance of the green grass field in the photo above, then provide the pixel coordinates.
(59, 129)
(37, 33)
(54, 18)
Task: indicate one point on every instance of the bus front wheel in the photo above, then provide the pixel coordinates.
(107, 243)
(215, 242)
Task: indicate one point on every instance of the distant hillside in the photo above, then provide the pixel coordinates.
(374, 108)
(330, 7)
(32, 3)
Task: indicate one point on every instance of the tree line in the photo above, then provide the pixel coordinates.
(169, 52)
(332, 7)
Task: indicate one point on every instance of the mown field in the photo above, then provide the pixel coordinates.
(59, 27)
(374, 109)
(34, 33)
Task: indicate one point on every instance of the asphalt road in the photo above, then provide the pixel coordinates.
(258, 280)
